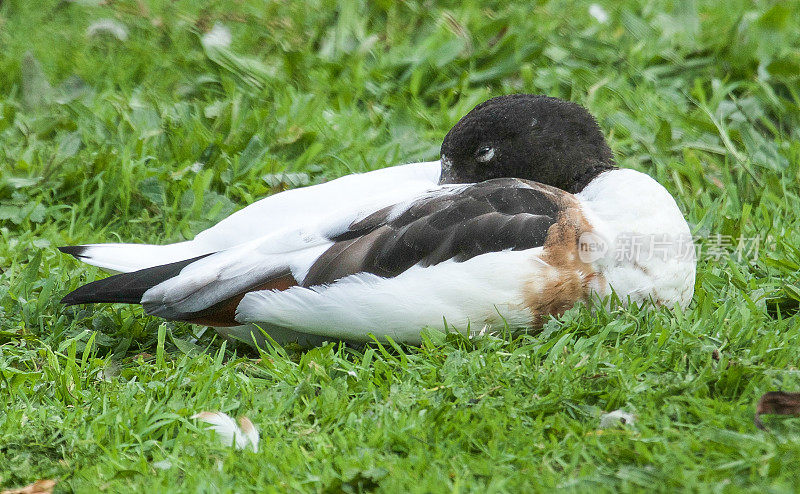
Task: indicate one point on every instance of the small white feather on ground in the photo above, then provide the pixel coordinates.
(108, 26)
(599, 13)
(241, 436)
(219, 37)
(616, 418)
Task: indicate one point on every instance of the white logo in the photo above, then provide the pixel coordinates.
(591, 247)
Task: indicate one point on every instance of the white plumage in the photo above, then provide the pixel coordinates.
(650, 253)
(485, 290)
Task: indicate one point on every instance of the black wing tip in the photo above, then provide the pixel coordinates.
(70, 299)
(74, 250)
(124, 288)
(103, 291)
(81, 295)
(89, 293)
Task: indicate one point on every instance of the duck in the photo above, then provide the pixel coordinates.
(525, 215)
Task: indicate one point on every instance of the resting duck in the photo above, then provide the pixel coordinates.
(525, 215)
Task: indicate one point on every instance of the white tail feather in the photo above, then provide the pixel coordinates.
(124, 258)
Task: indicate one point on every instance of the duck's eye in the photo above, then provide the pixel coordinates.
(484, 154)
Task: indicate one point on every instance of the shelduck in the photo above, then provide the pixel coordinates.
(524, 215)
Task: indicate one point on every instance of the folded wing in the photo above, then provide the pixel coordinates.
(466, 254)
(458, 251)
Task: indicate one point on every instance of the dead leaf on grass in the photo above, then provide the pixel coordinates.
(41, 486)
(777, 403)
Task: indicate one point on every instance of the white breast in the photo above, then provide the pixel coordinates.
(643, 247)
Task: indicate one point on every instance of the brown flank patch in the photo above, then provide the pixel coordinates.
(565, 280)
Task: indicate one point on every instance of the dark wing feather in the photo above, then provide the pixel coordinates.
(126, 288)
(491, 216)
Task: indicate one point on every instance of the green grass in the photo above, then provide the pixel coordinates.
(153, 138)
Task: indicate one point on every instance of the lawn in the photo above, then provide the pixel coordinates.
(137, 121)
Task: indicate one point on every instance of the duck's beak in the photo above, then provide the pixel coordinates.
(447, 170)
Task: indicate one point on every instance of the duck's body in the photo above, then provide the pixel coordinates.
(536, 257)
(390, 261)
